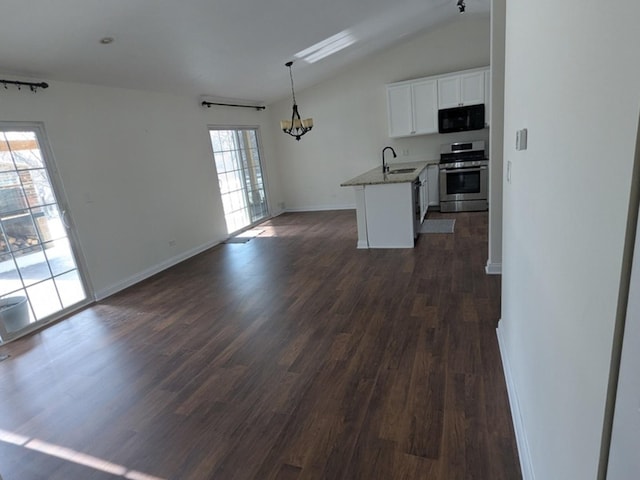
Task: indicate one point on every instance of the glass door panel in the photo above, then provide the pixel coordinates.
(237, 160)
(39, 276)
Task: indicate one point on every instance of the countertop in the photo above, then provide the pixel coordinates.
(376, 177)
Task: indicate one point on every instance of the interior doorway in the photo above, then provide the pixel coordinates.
(236, 153)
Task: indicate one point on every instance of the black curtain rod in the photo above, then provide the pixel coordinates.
(208, 105)
(33, 86)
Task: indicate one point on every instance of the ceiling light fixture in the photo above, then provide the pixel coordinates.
(296, 127)
(461, 6)
(106, 40)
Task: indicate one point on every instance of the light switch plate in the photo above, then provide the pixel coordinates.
(521, 139)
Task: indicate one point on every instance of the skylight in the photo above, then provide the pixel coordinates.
(326, 47)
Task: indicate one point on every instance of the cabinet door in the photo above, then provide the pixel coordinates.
(425, 107)
(424, 194)
(449, 92)
(433, 178)
(472, 88)
(400, 110)
(487, 97)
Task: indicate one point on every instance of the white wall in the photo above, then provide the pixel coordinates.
(496, 143)
(137, 170)
(350, 115)
(573, 79)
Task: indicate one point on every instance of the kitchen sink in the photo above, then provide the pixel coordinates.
(403, 170)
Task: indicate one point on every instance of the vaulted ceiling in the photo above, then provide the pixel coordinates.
(233, 49)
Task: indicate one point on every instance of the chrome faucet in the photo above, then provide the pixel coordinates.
(385, 167)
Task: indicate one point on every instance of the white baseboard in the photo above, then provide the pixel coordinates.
(140, 276)
(320, 208)
(493, 268)
(521, 436)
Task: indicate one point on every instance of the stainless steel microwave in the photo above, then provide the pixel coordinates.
(461, 119)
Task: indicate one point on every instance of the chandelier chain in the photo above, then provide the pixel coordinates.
(293, 93)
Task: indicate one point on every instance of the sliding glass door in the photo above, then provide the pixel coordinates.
(237, 158)
(39, 275)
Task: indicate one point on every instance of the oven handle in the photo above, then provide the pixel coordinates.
(469, 170)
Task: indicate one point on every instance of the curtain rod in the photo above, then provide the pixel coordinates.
(208, 105)
(32, 86)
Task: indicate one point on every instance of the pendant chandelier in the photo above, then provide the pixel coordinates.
(296, 127)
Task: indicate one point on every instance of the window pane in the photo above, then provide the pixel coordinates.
(219, 162)
(33, 266)
(49, 223)
(9, 277)
(226, 203)
(44, 299)
(253, 140)
(215, 140)
(59, 256)
(230, 162)
(224, 183)
(37, 187)
(226, 140)
(24, 149)
(12, 197)
(70, 288)
(6, 160)
(4, 244)
(20, 231)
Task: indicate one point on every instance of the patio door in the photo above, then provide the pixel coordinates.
(237, 157)
(39, 275)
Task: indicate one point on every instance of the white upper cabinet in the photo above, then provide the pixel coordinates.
(413, 108)
(449, 92)
(413, 105)
(425, 106)
(400, 108)
(472, 88)
(461, 89)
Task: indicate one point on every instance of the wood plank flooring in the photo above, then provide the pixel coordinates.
(293, 356)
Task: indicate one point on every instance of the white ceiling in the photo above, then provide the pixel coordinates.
(232, 49)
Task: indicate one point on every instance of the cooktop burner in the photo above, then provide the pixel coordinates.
(463, 154)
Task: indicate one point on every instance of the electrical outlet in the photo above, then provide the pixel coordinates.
(405, 152)
(172, 243)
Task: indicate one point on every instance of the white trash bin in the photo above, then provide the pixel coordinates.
(14, 313)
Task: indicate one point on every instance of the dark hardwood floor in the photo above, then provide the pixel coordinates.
(293, 356)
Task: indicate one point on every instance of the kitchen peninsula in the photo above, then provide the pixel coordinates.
(390, 206)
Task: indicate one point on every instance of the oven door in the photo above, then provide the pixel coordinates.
(458, 184)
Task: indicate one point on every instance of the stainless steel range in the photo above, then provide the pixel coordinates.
(464, 169)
